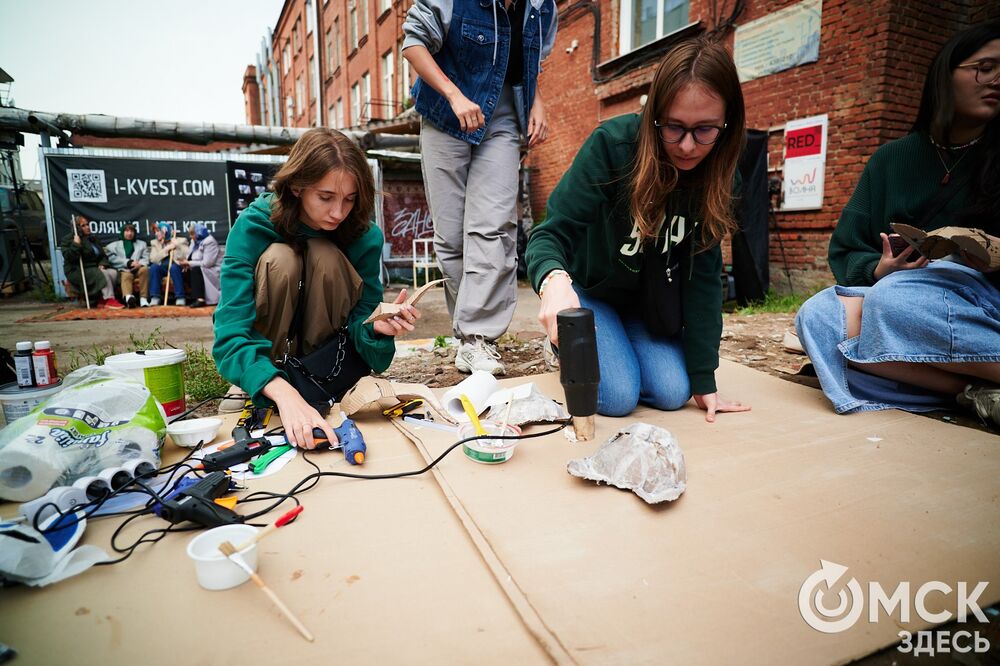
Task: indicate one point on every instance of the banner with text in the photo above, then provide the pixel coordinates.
(111, 191)
(805, 163)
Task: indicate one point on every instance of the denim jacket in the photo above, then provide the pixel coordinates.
(470, 41)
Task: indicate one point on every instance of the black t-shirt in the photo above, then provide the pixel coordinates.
(515, 62)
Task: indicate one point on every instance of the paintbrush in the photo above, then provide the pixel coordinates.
(229, 551)
(280, 522)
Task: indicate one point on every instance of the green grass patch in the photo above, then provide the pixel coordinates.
(783, 303)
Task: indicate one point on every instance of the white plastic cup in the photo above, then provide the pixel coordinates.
(214, 570)
(489, 451)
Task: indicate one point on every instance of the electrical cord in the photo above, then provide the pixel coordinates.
(297, 488)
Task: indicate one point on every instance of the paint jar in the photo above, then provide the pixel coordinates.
(161, 370)
(44, 361)
(16, 402)
(489, 451)
(23, 365)
(214, 570)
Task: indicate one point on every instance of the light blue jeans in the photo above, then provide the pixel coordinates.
(944, 313)
(635, 366)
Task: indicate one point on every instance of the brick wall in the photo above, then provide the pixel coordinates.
(868, 79)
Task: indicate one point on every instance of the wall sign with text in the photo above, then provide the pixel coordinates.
(805, 163)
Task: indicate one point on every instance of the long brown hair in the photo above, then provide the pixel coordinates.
(315, 154)
(705, 62)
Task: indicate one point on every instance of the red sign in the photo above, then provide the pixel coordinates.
(804, 141)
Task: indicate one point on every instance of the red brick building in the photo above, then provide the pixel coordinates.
(867, 78)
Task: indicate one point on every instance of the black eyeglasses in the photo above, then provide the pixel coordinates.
(703, 134)
(987, 70)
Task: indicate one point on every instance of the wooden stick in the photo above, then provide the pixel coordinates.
(166, 290)
(280, 522)
(229, 551)
(83, 276)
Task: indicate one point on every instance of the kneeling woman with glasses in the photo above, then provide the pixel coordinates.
(633, 230)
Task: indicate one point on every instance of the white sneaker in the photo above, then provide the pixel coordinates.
(143, 302)
(235, 403)
(479, 355)
(984, 400)
(180, 302)
(154, 300)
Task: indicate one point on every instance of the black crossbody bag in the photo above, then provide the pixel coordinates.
(323, 376)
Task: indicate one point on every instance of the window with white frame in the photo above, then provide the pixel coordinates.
(643, 21)
(338, 115)
(404, 83)
(352, 19)
(355, 104)
(366, 84)
(313, 84)
(286, 59)
(300, 95)
(384, 5)
(296, 42)
(309, 16)
(388, 83)
(328, 48)
(336, 44)
(362, 19)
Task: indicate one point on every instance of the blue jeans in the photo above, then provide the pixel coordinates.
(156, 273)
(944, 313)
(635, 366)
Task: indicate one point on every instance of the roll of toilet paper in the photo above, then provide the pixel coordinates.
(477, 387)
(26, 474)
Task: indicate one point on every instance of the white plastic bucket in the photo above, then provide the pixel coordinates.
(161, 370)
(16, 402)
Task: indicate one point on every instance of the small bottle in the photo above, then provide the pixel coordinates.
(23, 365)
(45, 364)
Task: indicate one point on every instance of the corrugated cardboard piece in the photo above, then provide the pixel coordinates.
(389, 571)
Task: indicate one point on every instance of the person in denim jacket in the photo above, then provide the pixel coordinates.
(478, 63)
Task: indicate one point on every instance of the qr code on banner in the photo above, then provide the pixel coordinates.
(87, 185)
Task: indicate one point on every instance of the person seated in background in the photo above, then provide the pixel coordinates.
(204, 266)
(87, 266)
(130, 257)
(164, 253)
(899, 332)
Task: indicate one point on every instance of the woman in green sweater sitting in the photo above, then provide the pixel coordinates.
(633, 230)
(321, 205)
(899, 331)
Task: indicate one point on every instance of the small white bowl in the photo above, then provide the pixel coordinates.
(214, 570)
(191, 431)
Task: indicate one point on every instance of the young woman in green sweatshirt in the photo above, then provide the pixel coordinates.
(898, 331)
(321, 204)
(648, 199)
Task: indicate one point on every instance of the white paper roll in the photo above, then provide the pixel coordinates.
(477, 387)
(26, 474)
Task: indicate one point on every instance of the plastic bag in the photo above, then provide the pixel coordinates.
(101, 419)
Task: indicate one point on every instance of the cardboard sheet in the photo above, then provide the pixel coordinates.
(386, 571)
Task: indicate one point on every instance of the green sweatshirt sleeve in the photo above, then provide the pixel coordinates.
(365, 254)
(70, 250)
(702, 318)
(582, 197)
(242, 354)
(855, 245)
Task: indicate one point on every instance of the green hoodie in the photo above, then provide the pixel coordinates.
(243, 354)
(589, 232)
